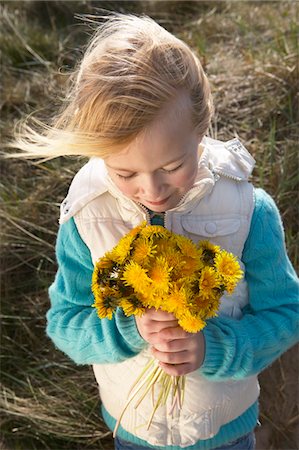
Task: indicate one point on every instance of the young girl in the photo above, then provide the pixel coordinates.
(140, 107)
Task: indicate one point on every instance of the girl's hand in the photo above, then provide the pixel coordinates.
(179, 352)
(152, 322)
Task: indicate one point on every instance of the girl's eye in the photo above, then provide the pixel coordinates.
(127, 177)
(172, 170)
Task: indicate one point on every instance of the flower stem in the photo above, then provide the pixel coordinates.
(157, 372)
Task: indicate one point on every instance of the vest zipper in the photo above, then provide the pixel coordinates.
(181, 199)
(218, 173)
(148, 218)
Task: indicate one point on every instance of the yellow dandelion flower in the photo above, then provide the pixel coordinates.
(101, 288)
(209, 246)
(208, 281)
(112, 292)
(97, 292)
(96, 272)
(230, 286)
(189, 265)
(152, 299)
(159, 272)
(212, 312)
(165, 246)
(96, 281)
(135, 231)
(104, 311)
(209, 251)
(176, 301)
(172, 257)
(186, 246)
(228, 268)
(122, 250)
(202, 302)
(104, 263)
(155, 231)
(106, 301)
(207, 306)
(132, 306)
(200, 255)
(191, 323)
(95, 275)
(187, 283)
(143, 249)
(134, 275)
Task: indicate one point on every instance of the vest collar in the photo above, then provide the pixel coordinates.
(230, 159)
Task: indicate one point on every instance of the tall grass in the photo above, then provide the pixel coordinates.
(249, 50)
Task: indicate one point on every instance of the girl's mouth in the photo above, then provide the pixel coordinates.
(161, 202)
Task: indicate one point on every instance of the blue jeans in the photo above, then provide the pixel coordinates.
(246, 442)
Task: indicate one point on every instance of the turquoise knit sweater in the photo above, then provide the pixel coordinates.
(234, 348)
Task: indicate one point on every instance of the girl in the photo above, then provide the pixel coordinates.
(140, 107)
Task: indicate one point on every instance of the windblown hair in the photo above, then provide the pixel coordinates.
(131, 69)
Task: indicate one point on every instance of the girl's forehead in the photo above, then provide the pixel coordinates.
(174, 122)
(155, 148)
(167, 139)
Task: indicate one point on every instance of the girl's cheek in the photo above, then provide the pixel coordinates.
(125, 187)
(186, 179)
(128, 191)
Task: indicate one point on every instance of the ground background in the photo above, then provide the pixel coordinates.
(249, 50)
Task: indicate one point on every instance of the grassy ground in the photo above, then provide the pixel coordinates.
(249, 51)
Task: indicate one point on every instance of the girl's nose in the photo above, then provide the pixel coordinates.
(151, 186)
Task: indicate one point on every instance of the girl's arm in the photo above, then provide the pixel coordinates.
(73, 324)
(240, 348)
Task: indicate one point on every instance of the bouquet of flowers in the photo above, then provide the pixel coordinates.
(151, 267)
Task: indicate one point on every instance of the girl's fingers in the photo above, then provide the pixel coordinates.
(166, 336)
(172, 357)
(157, 326)
(180, 356)
(159, 315)
(176, 345)
(157, 334)
(172, 333)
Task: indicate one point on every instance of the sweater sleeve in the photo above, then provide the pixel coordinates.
(239, 348)
(72, 323)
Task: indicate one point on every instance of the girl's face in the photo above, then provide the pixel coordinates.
(160, 165)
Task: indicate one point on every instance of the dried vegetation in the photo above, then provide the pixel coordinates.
(249, 50)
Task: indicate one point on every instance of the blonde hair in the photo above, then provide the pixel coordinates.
(131, 69)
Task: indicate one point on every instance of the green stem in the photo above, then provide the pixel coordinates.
(146, 368)
(154, 377)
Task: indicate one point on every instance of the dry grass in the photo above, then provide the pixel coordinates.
(249, 50)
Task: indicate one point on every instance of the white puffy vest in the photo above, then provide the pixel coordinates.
(219, 208)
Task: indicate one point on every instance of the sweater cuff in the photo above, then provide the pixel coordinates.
(214, 356)
(129, 331)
